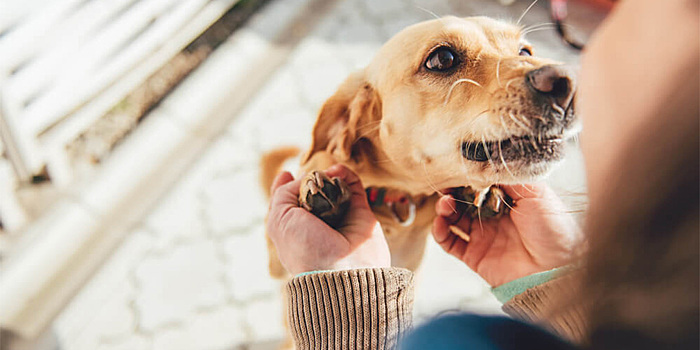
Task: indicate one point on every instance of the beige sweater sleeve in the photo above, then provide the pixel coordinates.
(350, 309)
(550, 305)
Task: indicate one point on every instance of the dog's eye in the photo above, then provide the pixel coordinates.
(525, 52)
(441, 59)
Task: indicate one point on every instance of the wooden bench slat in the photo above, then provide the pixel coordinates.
(18, 45)
(65, 42)
(95, 69)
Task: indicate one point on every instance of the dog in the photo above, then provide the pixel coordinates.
(450, 103)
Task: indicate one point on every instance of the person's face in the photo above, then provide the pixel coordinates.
(629, 69)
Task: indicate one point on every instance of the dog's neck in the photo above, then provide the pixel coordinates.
(376, 169)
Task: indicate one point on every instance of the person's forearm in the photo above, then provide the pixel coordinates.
(549, 305)
(350, 309)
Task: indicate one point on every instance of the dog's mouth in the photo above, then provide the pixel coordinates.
(516, 148)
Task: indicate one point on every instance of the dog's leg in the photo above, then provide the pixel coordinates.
(407, 243)
(327, 198)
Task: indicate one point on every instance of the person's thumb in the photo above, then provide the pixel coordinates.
(358, 199)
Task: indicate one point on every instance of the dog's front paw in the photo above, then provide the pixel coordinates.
(489, 203)
(496, 203)
(327, 198)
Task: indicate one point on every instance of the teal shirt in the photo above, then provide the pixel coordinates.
(507, 291)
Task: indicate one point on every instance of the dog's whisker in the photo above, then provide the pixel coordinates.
(488, 155)
(537, 30)
(523, 118)
(368, 124)
(498, 71)
(427, 11)
(500, 149)
(476, 118)
(427, 177)
(449, 92)
(463, 201)
(526, 11)
(516, 121)
(367, 133)
(538, 25)
(433, 187)
(516, 192)
(529, 190)
(481, 224)
(559, 110)
(542, 25)
(510, 81)
(507, 205)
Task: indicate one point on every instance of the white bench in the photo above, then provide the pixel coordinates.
(65, 63)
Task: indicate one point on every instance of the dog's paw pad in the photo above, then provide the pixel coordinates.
(327, 198)
(489, 203)
(496, 203)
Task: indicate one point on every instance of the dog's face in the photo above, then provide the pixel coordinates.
(458, 101)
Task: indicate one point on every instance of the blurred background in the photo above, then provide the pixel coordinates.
(131, 216)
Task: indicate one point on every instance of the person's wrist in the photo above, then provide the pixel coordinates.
(518, 271)
(508, 290)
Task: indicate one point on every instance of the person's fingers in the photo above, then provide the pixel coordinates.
(440, 230)
(521, 191)
(285, 195)
(448, 241)
(347, 175)
(446, 207)
(281, 179)
(358, 194)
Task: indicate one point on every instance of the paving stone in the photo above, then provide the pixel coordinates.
(247, 271)
(177, 218)
(224, 154)
(318, 70)
(287, 122)
(110, 323)
(174, 284)
(105, 297)
(234, 202)
(215, 329)
(265, 319)
(134, 342)
(172, 339)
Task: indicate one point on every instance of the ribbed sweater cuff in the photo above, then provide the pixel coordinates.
(350, 309)
(550, 304)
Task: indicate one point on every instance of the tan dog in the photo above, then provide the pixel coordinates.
(445, 103)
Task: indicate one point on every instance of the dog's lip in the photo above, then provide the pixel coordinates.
(483, 151)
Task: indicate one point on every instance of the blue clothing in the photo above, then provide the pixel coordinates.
(475, 332)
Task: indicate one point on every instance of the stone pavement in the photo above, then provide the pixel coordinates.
(193, 273)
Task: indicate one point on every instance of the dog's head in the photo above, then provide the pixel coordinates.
(452, 102)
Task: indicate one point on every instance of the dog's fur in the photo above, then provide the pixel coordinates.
(402, 126)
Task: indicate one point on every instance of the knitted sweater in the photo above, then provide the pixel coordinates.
(372, 308)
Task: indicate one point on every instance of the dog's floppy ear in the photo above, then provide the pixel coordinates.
(346, 119)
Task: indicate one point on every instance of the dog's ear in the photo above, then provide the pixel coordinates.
(346, 120)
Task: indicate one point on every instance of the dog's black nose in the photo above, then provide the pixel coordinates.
(556, 82)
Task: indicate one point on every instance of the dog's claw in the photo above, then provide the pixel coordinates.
(491, 203)
(327, 198)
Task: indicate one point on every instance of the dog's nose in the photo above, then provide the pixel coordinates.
(556, 82)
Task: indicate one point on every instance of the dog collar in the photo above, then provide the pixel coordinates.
(380, 196)
(377, 196)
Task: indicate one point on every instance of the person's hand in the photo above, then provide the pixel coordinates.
(537, 236)
(305, 243)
